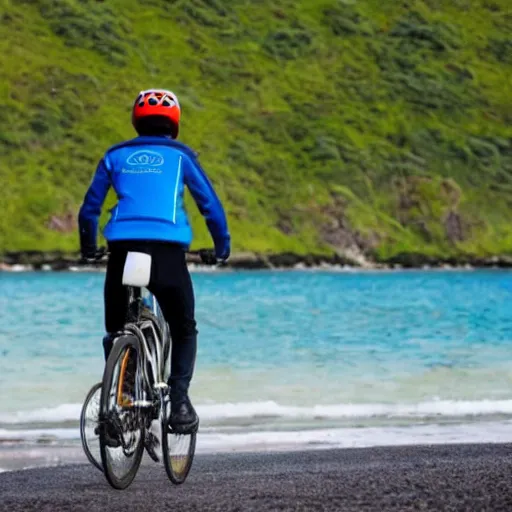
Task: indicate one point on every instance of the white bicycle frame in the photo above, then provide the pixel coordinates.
(136, 275)
(152, 353)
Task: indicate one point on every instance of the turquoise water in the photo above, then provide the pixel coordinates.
(299, 351)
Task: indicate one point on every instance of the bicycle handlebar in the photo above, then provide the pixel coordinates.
(201, 256)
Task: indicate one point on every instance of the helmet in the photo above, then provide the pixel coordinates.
(157, 102)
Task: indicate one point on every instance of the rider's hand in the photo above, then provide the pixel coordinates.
(88, 253)
(207, 257)
(223, 250)
(92, 254)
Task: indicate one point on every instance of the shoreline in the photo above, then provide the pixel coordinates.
(24, 449)
(23, 457)
(421, 477)
(28, 261)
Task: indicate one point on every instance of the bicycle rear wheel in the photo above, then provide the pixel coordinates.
(121, 418)
(178, 452)
(89, 420)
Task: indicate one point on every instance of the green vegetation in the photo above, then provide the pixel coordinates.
(381, 127)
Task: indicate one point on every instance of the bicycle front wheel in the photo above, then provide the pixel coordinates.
(89, 420)
(121, 417)
(178, 452)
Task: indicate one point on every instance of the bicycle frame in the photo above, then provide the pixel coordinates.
(152, 352)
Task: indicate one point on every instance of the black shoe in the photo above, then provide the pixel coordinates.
(184, 419)
(151, 443)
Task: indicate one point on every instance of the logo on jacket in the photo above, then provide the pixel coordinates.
(144, 161)
(145, 157)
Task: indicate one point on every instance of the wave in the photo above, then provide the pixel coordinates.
(209, 441)
(38, 434)
(273, 410)
(58, 414)
(488, 432)
(339, 411)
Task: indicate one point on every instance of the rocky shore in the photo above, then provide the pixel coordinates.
(59, 261)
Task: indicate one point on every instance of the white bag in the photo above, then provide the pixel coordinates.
(137, 269)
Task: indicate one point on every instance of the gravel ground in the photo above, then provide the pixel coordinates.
(454, 477)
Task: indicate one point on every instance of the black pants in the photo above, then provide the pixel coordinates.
(171, 284)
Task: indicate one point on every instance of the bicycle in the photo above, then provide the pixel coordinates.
(133, 394)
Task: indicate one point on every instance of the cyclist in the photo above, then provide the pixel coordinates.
(148, 175)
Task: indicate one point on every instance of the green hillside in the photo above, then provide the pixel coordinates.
(356, 126)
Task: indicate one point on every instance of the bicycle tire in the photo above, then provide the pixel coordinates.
(95, 461)
(120, 354)
(177, 475)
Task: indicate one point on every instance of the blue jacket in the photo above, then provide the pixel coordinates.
(148, 175)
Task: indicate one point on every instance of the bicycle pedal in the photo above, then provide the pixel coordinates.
(142, 403)
(151, 443)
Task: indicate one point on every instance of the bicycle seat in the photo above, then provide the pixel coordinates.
(137, 269)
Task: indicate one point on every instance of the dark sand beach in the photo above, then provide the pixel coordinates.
(442, 477)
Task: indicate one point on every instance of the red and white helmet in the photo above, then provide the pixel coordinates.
(157, 102)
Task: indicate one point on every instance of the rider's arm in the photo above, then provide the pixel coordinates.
(209, 205)
(91, 209)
